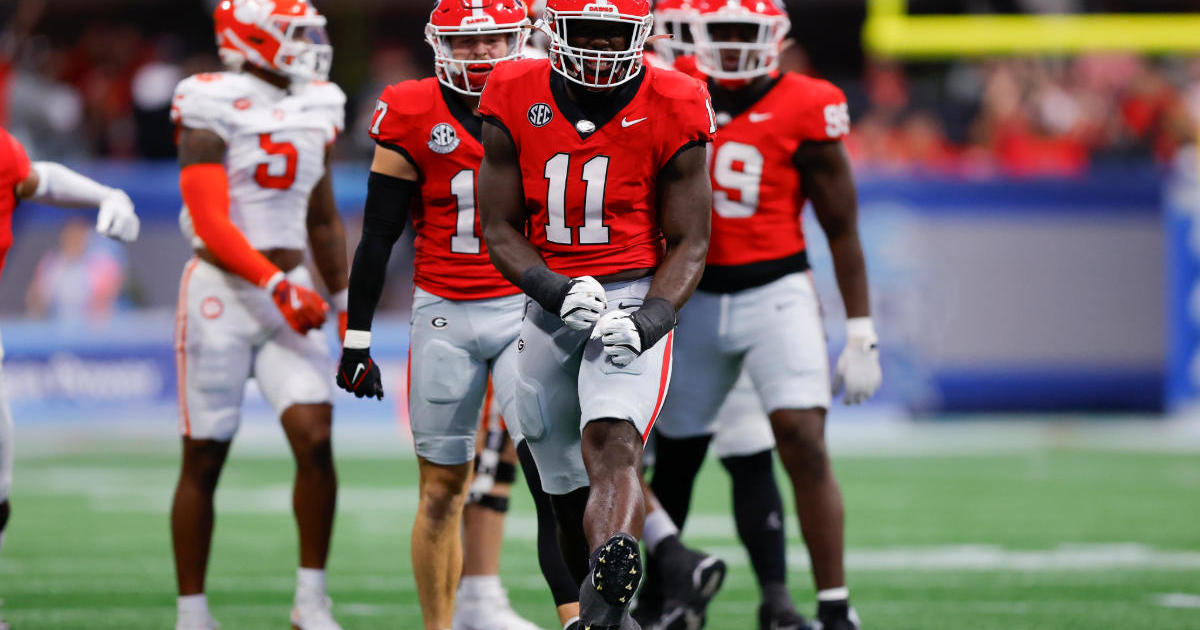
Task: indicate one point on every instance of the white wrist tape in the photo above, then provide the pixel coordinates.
(60, 186)
(357, 339)
(860, 327)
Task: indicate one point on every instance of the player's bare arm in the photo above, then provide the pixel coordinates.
(327, 238)
(502, 213)
(390, 188)
(685, 217)
(327, 234)
(829, 182)
(826, 175)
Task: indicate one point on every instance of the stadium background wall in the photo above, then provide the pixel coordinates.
(1048, 295)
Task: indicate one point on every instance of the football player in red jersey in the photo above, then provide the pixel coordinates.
(466, 316)
(779, 145)
(598, 208)
(254, 146)
(741, 436)
(53, 184)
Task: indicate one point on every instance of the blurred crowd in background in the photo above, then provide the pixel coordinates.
(102, 88)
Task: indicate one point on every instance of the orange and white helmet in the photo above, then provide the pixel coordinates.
(674, 18)
(757, 55)
(456, 18)
(590, 67)
(284, 36)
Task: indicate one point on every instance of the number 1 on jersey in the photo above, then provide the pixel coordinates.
(595, 174)
(462, 186)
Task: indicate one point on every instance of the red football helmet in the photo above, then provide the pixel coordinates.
(285, 36)
(674, 18)
(458, 18)
(588, 66)
(753, 54)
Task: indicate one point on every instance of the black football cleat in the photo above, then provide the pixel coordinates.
(690, 580)
(839, 616)
(648, 606)
(772, 617)
(607, 593)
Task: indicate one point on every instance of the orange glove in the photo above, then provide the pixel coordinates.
(303, 309)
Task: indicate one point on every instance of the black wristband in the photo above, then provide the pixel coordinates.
(654, 320)
(545, 287)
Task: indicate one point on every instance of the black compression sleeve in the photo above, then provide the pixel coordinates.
(654, 320)
(545, 287)
(384, 216)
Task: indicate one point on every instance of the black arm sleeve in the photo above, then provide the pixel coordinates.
(384, 216)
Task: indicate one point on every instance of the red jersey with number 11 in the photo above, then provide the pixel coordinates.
(14, 169)
(591, 185)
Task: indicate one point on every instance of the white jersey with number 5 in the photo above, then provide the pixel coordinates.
(276, 142)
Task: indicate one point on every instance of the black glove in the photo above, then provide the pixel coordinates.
(359, 375)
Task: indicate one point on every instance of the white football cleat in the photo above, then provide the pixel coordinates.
(314, 614)
(488, 612)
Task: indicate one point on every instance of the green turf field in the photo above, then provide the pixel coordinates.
(1045, 539)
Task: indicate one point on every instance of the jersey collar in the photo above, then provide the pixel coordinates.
(469, 121)
(737, 102)
(599, 110)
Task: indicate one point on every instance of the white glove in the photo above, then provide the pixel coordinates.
(584, 302)
(858, 367)
(622, 341)
(117, 219)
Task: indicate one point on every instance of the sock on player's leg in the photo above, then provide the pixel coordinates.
(192, 609)
(657, 527)
(758, 512)
(310, 583)
(676, 465)
(833, 602)
(479, 586)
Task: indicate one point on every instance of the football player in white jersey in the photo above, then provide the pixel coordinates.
(254, 149)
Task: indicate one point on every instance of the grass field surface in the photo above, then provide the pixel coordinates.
(1034, 537)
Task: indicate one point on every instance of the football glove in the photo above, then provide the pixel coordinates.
(620, 336)
(117, 219)
(584, 303)
(626, 335)
(858, 371)
(359, 375)
(302, 308)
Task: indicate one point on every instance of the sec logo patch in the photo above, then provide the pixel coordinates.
(540, 115)
(211, 308)
(443, 139)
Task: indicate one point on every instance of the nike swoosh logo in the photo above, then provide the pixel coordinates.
(756, 117)
(625, 122)
(295, 300)
(358, 370)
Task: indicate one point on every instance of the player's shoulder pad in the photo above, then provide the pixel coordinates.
(410, 98)
(323, 94)
(676, 85)
(209, 88)
(811, 90)
(209, 100)
(516, 68)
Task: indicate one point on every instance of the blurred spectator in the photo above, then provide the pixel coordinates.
(80, 281)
